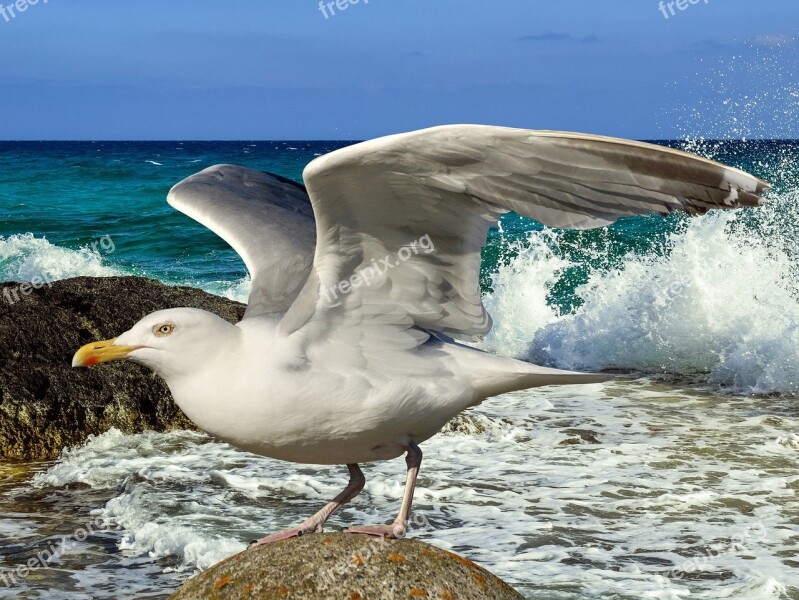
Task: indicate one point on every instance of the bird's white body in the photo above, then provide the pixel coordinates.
(321, 414)
(314, 414)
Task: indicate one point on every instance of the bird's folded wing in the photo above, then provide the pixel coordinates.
(266, 218)
(381, 205)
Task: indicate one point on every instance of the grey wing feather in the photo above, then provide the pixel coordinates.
(267, 219)
(451, 183)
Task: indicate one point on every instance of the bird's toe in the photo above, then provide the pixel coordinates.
(395, 531)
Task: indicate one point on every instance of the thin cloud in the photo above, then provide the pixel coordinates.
(774, 40)
(553, 36)
(709, 45)
(550, 36)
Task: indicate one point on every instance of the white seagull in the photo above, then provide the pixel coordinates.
(363, 281)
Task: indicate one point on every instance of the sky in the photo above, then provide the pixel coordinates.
(285, 69)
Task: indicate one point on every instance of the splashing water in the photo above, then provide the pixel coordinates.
(718, 299)
(744, 96)
(24, 257)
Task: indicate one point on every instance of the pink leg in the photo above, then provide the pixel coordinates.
(315, 523)
(399, 527)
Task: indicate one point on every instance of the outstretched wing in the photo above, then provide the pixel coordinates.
(266, 218)
(410, 213)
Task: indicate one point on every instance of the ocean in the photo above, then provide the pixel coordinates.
(677, 480)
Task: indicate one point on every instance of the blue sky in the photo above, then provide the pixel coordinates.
(278, 69)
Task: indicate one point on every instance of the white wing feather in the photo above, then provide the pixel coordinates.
(267, 219)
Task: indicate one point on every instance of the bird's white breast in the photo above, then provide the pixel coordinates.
(313, 415)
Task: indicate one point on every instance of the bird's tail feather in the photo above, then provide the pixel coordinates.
(492, 375)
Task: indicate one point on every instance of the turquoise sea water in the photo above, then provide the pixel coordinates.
(695, 447)
(73, 194)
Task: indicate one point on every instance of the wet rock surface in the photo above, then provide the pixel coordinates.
(45, 404)
(345, 566)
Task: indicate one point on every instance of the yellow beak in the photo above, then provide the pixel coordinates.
(100, 352)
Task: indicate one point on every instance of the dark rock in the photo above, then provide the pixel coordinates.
(580, 436)
(474, 424)
(345, 566)
(45, 405)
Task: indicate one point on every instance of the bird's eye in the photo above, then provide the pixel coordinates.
(164, 329)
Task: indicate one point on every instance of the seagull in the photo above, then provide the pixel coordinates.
(365, 292)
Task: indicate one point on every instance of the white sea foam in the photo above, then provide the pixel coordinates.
(720, 303)
(238, 290)
(25, 256)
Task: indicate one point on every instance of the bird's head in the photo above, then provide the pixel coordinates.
(171, 342)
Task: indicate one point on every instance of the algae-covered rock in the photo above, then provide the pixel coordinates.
(45, 405)
(345, 566)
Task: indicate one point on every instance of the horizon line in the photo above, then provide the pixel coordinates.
(356, 140)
